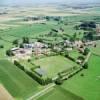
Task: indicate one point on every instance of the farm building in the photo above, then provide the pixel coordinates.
(40, 71)
(67, 43)
(78, 44)
(22, 53)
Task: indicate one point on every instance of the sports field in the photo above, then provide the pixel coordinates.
(54, 64)
(86, 86)
(16, 81)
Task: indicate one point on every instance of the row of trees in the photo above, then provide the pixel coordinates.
(24, 40)
(33, 75)
(86, 25)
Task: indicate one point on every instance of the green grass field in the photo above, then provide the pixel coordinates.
(96, 49)
(21, 86)
(16, 81)
(59, 93)
(53, 65)
(86, 86)
(75, 54)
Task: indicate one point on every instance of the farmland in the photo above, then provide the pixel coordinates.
(84, 86)
(16, 81)
(4, 94)
(41, 55)
(58, 93)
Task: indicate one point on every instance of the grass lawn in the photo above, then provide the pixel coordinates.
(59, 93)
(96, 49)
(54, 64)
(19, 84)
(88, 85)
(75, 54)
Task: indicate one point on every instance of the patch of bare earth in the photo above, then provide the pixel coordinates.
(4, 94)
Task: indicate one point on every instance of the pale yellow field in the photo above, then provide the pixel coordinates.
(4, 95)
(6, 26)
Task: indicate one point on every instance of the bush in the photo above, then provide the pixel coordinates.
(59, 81)
(21, 45)
(86, 51)
(38, 78)
(1, 46)
(9, 53)
(15, 42)
(19, 65)
(25, 40)
(72, 59)
(85, 66)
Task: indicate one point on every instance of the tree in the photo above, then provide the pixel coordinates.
(1, 46)
(87, 25)
(86, 51)
(21, 45)
(15, 42)
(76, 27)
(65, 38)
(40, 40)
(47, 18)
(82, 75)
(89, 35)
(81, 58)
(25, 40)
(85, 66)
(9, 53)
(19, 65)
(74, 36)
(59, 81)
(66, 53)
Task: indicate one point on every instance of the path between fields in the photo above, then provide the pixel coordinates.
(87, 58)
(42, 92)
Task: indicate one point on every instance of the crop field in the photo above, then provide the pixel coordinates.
(52, 33)
(16, 81)
(27, 30)
(58, 93)
(86, 86)
(53, 65)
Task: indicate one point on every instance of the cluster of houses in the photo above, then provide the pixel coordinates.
(35, 19)
(36, 48)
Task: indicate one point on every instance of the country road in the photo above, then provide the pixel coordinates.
(42, 92)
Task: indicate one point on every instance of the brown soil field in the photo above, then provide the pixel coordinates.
(4, 94)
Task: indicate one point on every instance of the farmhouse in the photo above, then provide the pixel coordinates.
(69, 49)
(67, 43)
(28, 46)
(22, 53)
(78, 44)
(90, 43)
(40, 48)
(98, 28)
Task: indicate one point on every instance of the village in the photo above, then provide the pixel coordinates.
(49, 51)
(29, 51)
